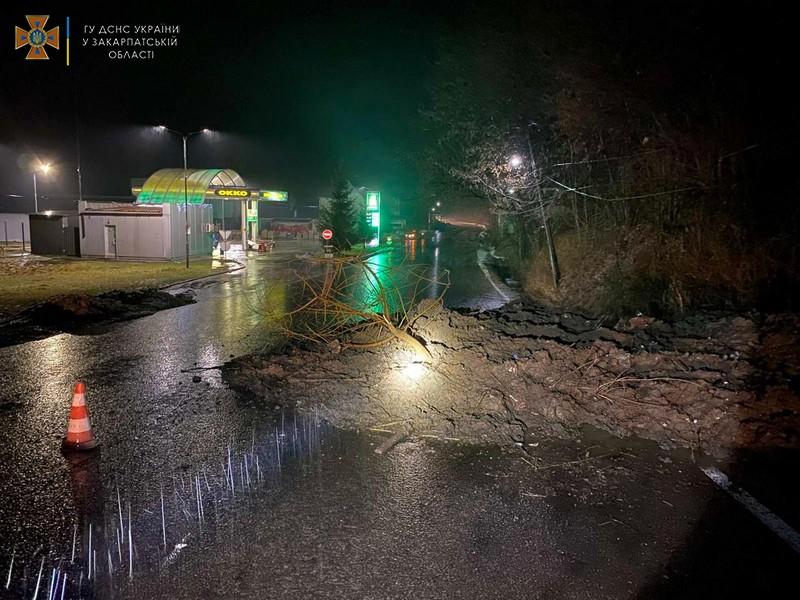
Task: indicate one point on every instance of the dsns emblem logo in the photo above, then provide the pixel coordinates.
(37, 38)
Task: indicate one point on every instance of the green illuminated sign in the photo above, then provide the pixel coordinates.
(252, 215)
(373, 201)
(273, 195)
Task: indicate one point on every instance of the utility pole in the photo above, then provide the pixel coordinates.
(551, 249)
(35, 195)
(78, 155)
(77, 138)
(45, 169)
(80, 187)
(80, 181)
(184, 137)
(186, 197)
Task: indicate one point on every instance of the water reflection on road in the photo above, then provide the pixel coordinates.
(150, 416)
(153, 419)
(468, 285)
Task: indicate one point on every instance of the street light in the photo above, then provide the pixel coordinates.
(45, 169)
(438, 203)
(431, 210)
(515, 162)
(185, 137)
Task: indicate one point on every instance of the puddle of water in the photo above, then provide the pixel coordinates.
(118, 537)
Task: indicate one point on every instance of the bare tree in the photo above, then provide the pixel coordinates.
(363, 302)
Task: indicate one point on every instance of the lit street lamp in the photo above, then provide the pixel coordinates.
(45, 169)
(185, 137)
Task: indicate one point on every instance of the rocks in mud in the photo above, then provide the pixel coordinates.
(710, 383)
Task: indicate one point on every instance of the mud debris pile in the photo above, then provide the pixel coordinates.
(711, 382)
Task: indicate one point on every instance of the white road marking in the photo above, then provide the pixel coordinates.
(463, 223)
(489, 278)
(480, 254)
(778, 526)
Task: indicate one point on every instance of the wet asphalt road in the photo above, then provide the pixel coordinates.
(259, 505)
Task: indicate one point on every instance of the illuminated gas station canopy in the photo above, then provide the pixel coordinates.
(166, 186)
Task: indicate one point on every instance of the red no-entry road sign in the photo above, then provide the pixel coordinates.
(327, 234)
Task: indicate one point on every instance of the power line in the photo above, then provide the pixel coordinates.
(623, 198)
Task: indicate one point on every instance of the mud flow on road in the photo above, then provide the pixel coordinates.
(200, 491)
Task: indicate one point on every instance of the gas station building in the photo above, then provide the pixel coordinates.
(153, 227)
(223, 189)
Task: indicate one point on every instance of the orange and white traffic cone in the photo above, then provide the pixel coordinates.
(79, 429)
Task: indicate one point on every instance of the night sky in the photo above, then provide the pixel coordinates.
(298, 90)
(295, 92)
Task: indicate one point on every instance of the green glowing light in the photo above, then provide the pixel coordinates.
(373, 201)
(274, 195)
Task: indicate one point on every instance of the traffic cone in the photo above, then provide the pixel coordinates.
(79, 429)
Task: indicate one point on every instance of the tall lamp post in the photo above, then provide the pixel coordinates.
(516, 162)
(45, 169)
(432, 210)
(551, 249)
(185, 137)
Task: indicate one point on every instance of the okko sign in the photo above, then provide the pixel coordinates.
(240, 193)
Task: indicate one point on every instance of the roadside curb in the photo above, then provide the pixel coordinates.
(191, 279)
(505, 292)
